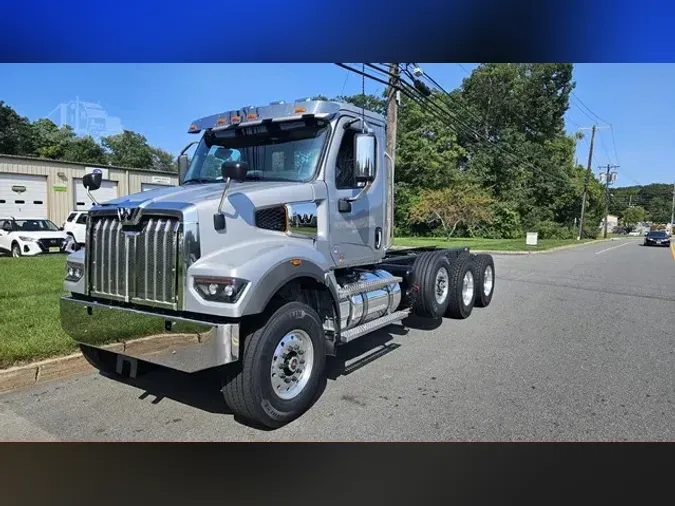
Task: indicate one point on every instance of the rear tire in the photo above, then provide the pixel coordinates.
(432, 281)
(485, 286)
(462, 287)
(291, 346)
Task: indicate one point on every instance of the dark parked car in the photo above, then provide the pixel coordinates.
(657, 238)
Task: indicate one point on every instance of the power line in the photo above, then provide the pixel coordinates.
(462, 67)
(478, 136)
(589, 109)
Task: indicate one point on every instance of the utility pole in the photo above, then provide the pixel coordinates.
(672, 212)
(392, 121)
(608, 177)
(588, 178)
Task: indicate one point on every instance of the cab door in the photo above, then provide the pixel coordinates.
(356, 227)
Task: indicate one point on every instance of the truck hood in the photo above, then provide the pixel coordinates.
(258, 192)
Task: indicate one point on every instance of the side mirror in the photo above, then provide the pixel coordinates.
(234, 170)
(365, 156)
(183, 166)
(92, 181)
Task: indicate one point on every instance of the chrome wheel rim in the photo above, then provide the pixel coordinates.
(488, 280)
(292, 364)
(467, 288)
(441, 285)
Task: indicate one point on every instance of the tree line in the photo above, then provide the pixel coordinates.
(43, 139)
(642, 203)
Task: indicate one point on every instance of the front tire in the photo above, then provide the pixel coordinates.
(16, 250)
(278, 374)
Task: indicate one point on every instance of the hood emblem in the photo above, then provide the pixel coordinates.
(127, 215)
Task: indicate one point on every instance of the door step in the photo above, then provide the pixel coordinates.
(371, 326)
(366, 286)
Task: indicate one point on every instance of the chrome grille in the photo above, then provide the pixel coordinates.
(135, 266)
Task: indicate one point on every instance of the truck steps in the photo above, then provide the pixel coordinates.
(366, 286)
(371, 326)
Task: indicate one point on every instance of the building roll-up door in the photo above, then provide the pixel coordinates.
(107, 191)
(23, 195)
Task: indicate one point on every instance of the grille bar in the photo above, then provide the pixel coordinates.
(136, 267)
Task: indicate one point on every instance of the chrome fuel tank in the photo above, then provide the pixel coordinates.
(370, 305)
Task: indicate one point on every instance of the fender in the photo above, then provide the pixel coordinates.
(282, 273)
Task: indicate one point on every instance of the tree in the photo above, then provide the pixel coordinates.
(15, 133)
(129, 149)
(163, 161)
(632, 215)
(50, 141)
(462, 203)
(85, 150)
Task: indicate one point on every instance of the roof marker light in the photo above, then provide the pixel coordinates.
(193, 127)
(299, 110)
(221, 121)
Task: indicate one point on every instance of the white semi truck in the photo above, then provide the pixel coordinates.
(275, 250)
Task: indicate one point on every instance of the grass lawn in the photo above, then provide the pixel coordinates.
(30, 325)
(485, 244)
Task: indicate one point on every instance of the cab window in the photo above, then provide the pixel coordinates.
(344, 166)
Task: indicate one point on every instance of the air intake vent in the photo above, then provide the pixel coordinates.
(272, 218)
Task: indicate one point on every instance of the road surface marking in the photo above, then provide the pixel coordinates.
(672, 250)
(614, 247)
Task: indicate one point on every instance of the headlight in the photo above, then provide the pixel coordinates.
(27, 239)
(74, 271)
(220, 289)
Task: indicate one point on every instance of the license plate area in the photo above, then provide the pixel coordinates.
(54, 249)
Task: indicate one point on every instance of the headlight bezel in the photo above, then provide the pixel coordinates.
(228, 290)
(25, 238)
(74, 271)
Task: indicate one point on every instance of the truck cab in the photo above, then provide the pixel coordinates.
(274, 250)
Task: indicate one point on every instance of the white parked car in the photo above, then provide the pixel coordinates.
(31, 236)
(76, 226)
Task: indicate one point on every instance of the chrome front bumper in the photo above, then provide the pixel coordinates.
(184, 344)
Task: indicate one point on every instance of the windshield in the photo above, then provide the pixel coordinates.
(657, 235)
(287, 151)
(35, 226)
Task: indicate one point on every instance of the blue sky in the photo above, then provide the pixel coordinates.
(160, 100)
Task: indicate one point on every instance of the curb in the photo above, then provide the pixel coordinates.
(50, 369)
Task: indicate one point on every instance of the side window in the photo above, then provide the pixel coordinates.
(344, 166)
(6, 226)
(71, 216)
(82, 219)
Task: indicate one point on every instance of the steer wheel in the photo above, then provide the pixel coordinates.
(277, 377)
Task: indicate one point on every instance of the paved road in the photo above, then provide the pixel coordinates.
(577, 345)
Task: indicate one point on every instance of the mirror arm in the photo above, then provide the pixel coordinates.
(188, 147)
(91, 196)
(224, 195)
(363, 191)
